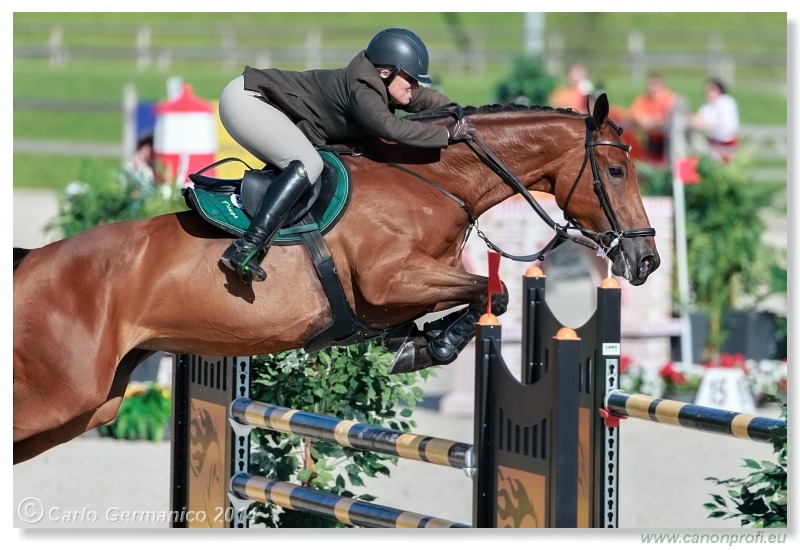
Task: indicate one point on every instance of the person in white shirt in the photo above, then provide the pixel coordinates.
(718, 119)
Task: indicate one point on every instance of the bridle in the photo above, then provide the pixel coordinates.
(607, 240)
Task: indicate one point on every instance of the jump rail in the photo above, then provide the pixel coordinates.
(354, 435)
(694, 417)
(320, 503)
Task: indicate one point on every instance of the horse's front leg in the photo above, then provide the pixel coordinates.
(420, 283)
(440, 341)
(428, 284)
(449, 335)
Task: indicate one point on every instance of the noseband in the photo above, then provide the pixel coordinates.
(607, 240)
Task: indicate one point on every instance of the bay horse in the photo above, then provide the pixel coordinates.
(89, 308)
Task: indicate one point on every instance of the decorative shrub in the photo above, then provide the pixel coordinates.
(144, 414)
(349, 383)
(758, 499)
(112, 197)
(729, 265)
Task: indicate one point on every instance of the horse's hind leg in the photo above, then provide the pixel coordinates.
(35, 445)
(105, 411)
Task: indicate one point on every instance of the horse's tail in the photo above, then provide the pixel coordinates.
(19, 255)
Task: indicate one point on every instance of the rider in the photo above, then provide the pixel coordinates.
(277, 115)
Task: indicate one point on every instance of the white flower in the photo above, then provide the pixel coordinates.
(765, 376)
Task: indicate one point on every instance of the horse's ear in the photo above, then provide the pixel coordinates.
(600, 113)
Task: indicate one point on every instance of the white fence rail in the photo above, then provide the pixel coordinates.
(633, 54)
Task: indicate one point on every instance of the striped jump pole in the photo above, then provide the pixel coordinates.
(695, 417)
(335, 507)
(353, 435)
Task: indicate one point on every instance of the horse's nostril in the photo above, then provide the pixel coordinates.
(647, 265)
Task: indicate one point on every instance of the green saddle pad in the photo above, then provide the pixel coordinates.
(224, 209)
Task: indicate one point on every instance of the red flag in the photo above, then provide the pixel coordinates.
(687, 170)
(494, 278)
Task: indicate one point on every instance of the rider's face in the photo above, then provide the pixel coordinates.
(401, 88)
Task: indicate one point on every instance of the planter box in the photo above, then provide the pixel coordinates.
(700, 323)
(752, 333)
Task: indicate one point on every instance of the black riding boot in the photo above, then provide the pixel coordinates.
(451, 334)
(244, 255)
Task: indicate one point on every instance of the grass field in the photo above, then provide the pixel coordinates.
(99, 77)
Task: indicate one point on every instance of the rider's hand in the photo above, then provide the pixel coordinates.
(461, 130)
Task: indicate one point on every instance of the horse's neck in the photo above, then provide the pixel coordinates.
(534, 152)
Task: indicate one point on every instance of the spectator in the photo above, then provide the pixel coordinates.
(650, 113)
(718, 120)
(575, 93)
(140, 168)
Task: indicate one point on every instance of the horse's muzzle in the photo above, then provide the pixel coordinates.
(636, 259)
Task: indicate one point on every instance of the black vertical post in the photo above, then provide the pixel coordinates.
(606, 447)
(179, 448)
(533, 293)
(487, 346)
(206, 452)
(564, 461)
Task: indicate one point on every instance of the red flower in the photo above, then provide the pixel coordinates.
(670, 374)
(731, 360)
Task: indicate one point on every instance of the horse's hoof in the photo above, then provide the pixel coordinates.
(410, 358)
(500, 301)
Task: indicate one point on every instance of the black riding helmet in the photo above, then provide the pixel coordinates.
(399, 50)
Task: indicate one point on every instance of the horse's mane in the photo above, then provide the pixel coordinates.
(493, 108)
(511, 107)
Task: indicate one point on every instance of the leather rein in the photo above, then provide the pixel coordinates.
(607, 240)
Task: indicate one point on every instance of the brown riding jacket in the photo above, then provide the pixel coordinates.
(347, 104)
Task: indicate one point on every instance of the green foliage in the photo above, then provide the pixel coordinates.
(143, 415)
(528, 84)
(111, 197)
(728, 262)
(653, 181)
(759, 498)
(349, 383)
(729, 265)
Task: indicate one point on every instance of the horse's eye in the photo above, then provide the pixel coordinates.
(617, 172)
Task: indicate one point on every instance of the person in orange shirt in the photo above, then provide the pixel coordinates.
(574, 94)
(650, 112)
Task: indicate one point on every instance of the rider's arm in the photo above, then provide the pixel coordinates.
(372, 114)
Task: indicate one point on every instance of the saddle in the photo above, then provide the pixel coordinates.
(230, 203)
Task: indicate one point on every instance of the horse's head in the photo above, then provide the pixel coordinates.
(598, 191)
(579, 159)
